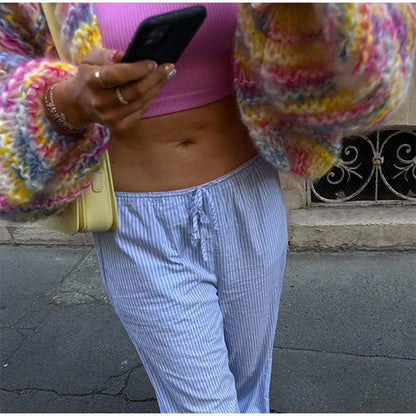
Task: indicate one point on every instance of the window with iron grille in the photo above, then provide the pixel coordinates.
(374, 169)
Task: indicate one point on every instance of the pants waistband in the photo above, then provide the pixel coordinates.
(240, 170)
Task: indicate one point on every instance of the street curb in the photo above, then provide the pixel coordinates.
(13, 234)
(314, 229)
(353, 228)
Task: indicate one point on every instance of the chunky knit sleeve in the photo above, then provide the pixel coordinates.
(40, 170)
(308, 75)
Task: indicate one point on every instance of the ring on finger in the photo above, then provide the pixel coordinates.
(99, 77)
(120, 97)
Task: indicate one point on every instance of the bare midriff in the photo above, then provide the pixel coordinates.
(180, 150)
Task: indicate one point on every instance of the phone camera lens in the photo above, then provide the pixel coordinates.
(155, 36)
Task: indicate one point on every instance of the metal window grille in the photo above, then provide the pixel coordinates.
(376, 169)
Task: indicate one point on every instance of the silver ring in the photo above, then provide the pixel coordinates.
(99, 78)
(120, 98)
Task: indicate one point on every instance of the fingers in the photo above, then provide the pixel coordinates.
(115, 93)
(112, 73)
(141, 95)
(118, 107)
(137, 109)
(88, 98)
(139, 90)
(118, 74)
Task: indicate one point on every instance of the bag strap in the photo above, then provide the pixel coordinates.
(49, 11)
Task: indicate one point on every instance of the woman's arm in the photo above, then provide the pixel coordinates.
(308, 75)
(30, 149)
(41, 167)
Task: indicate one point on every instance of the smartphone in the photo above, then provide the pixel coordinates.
(164, 37)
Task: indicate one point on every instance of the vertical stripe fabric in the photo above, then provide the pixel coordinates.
(195, 276)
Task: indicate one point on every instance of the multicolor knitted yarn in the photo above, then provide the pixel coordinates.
(308, 75)
(40, 170)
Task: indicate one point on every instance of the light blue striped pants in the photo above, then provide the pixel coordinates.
(195, 276)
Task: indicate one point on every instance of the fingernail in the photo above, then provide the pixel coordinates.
(152, 65)
(171, 71)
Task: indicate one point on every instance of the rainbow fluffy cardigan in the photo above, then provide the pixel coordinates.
(308, 75)
(305, 76)
(41, 171)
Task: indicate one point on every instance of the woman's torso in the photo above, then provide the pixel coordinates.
(193, 133)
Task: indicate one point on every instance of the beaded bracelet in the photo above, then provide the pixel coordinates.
(58, 118)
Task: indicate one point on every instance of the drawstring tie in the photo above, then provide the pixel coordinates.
(201, 221)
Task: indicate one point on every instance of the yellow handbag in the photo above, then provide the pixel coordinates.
(95, 210)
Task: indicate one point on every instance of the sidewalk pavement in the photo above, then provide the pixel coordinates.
(346, 337)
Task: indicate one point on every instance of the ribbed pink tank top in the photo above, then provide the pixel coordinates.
(204, 71)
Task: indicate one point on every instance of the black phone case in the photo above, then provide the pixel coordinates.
(164, 37)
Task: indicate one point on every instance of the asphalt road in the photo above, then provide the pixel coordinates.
(346, 338)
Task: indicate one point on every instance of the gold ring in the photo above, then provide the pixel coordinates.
(99, 78)
(120, 98)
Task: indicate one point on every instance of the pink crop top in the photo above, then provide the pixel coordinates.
(204, 71)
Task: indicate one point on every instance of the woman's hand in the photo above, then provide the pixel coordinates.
(83, 99)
